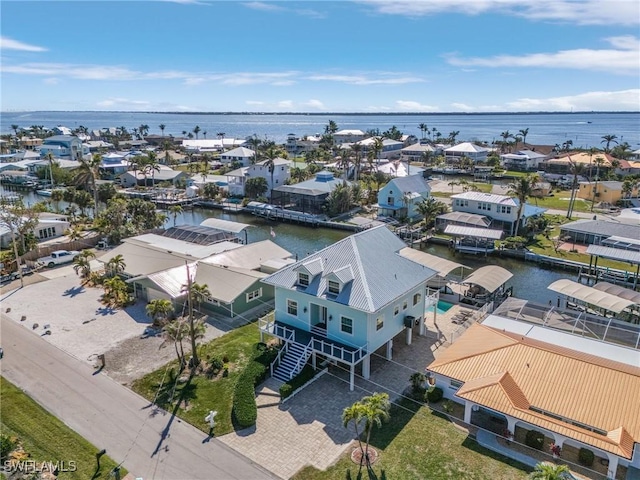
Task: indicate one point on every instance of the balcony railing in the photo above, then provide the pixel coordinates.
(338, 352)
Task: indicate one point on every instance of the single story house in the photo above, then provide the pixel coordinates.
(48, 226)
(308, 196)
(575, 391)
(390, 148)
(605, 191)
(593, 232)
(164, 174)
(400, 197)
(562, 164)
(346, 301)
(628, 167)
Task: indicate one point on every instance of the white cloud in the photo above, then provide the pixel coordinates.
(623, 100)
(364, 80)
(622, 59)
(411, 106)
(315, 104)
(583, 12)
(285, 104)
(254, 102)
(264, 6)
(463, 107)
(9, 44)
(272, 7)
(124, 103)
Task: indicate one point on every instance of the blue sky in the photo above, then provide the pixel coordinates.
(322, 56)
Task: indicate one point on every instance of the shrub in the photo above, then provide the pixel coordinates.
(434, 395)
(245, 410)
(586, 457)
(534, 439)
(7, 445)
(296, 382)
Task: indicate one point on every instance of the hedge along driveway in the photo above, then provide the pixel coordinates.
(193, 399)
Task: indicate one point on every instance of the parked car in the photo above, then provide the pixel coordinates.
(59, 257)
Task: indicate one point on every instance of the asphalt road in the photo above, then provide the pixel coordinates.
(150, 445)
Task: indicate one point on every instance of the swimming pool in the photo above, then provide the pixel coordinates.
(441, 307)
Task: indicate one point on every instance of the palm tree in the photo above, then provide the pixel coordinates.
(151, 165)
(373, 410)
(82, 263)
(271, 152)
(331, 128)
(549, 471)
(524, 132)
(221, 136)
(74, 233)
(423, 129)
(175, 210)
(452, 136)
(255, 145)
(196, 293)
(599, 161)
(577, 169)
(506, 135)
(87, 174)
(522, 188)
(162, 126)
(609, 139)
(204, 134)
(56, 198)
(356, 148)
(143, 130)
(116, 265)
(354, 414)
(15, 128)
(430, 208)
(176, 331)
(196, 131)
(159, 310)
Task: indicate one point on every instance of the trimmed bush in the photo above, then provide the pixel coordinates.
(534, 439)
(434, 395)
(296, 382)
(586, 457)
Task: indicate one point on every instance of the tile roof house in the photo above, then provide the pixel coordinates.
(578, 391)
(399, 198)
(346, 301)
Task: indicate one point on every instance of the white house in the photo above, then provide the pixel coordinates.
(205, 145)
(399, 198)
(346, 301)
(48, 226)
(348, 136)
(390, 148)
(502, 209)
(244, 156)
(523, 160)
(164, 174)
(466, 149)
(417, 152)
(237, 179)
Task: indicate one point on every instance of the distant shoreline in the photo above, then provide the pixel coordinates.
(324, 114)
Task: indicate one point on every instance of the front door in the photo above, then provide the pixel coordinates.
(318, 316)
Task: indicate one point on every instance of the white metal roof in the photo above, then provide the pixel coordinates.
(462, 231)
(631, 256)
(590, 295)
(618, 291)
(224, 225)
(487, 197)
(490, 277)
(466, 147)
(441, 265)
(251, 256)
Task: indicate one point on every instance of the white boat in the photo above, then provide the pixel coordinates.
(45, 192)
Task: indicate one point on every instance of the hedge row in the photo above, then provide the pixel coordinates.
(286, 389)
(245, 410)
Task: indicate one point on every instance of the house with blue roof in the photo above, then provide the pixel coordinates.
(399, 198)
(345, 302)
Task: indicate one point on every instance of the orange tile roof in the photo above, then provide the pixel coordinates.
(509, 373)
(583, 158)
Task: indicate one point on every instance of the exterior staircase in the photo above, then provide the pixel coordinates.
(292, 362)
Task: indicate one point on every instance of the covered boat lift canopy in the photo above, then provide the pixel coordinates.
(225, 225)
(590, 295)
(462, 231)
(618, 291)
(441, 265)
(622, 255)
(490, 277)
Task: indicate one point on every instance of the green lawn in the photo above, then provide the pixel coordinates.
(419, 444)
(193, 399)
(47, 439)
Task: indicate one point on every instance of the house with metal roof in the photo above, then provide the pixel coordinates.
(466, 149)
(596, 231)
(522, 160)
(576, 392)
(400, 197)
(345, 302)
(501, 209)
(237, 179)
(308, 196)
(242, 155)
(64, 146)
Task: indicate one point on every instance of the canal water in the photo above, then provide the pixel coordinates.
(529, 280)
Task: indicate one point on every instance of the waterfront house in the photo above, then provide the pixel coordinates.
(163, 174)
(466, 149)
(513, 377)
(628, 167)
(308, 196)
(522, 160)
(594, 232)
(233, 278)
(241, 155)
(48, 226)
(417, 152)
(345, 302)
(64, 146)
(237, 179)
(348, 136)
(562, 164)
(399, 198)
(501, 209)
(396, 168)
(390, 148)
(296, 146)
(211, 145)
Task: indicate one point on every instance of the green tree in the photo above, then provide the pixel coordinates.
(339, 200)
(86, 175)
(549, 471)
(356, 148)
(116, 292)
(271, 152)
(608, 140)
(576, 170)
(84, 200)
(176, 331)
(56, 198)
(371, 410)
(599, 161)
(159, 310)
(196, 131)
(423, 129)
(196, 294)
(174, 211)
(82, 263)
(522, 188)
(256, 187)
(115, 266)
(429, 209)
(162, 126)
(523, 133)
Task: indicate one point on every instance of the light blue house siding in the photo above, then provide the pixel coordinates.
(400, 197)
(350, 299)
